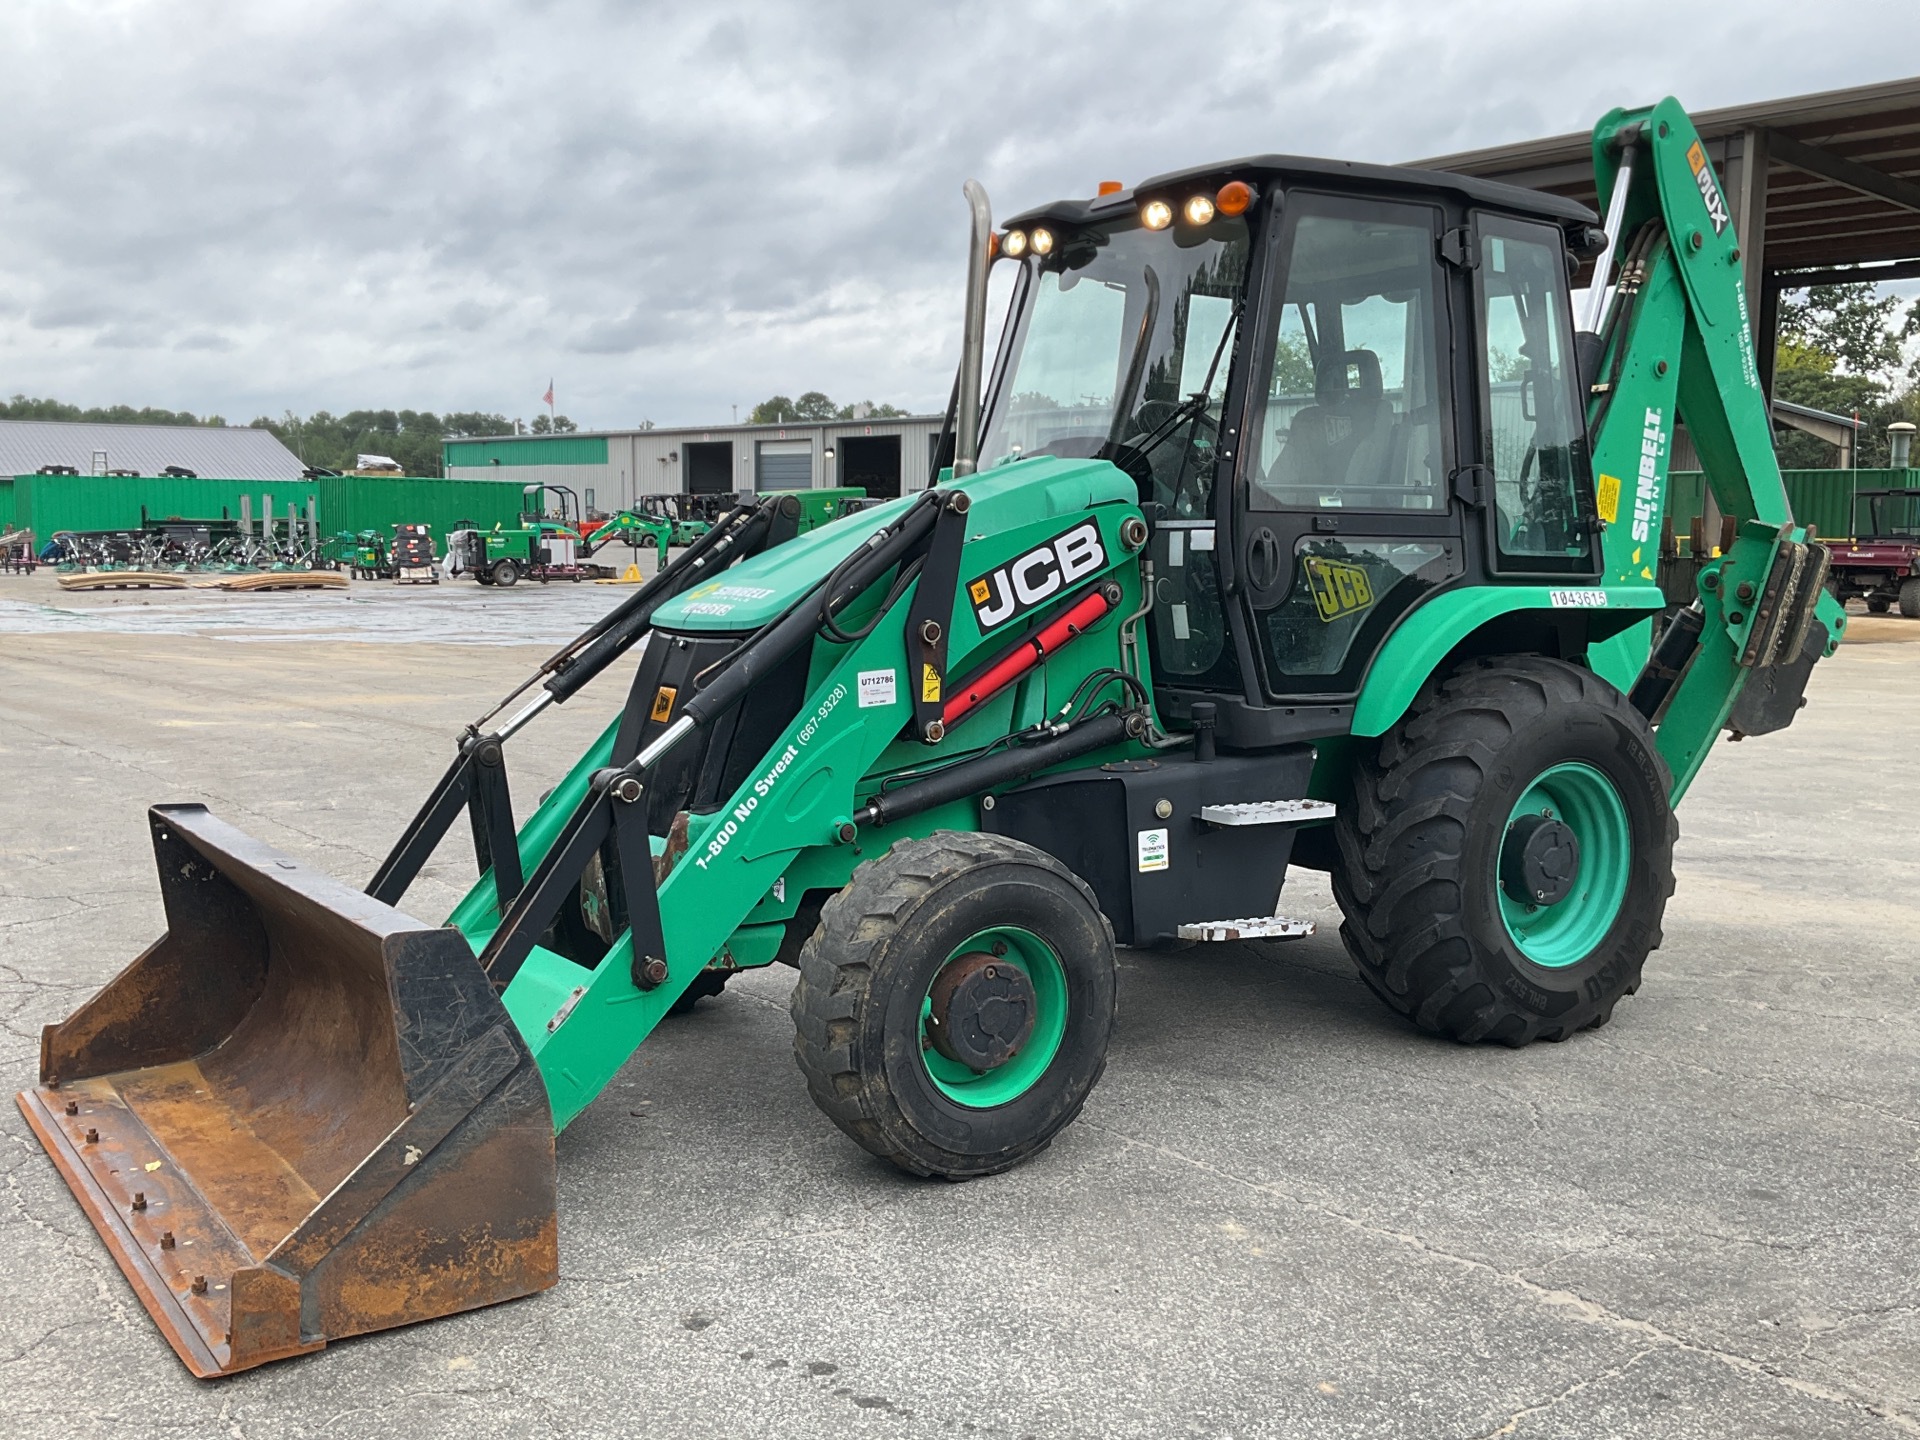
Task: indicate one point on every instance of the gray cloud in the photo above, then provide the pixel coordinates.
(669, 209)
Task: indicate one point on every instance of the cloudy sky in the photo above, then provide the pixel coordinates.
(242, 206)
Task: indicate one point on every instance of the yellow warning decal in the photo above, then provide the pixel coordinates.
(663, 699)
(1338, 588)
(929, 684)
(1606, 498)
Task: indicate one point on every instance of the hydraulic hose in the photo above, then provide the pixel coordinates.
(762, 655)
(1002, 767)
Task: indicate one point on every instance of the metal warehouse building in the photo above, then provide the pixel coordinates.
(235, 452)
(610, 468)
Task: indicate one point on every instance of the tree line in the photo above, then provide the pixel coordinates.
(322, 440)
(814, 407)
(1843, 349)
(326, 441)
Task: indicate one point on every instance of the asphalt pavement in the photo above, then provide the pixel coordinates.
(1283, 1212)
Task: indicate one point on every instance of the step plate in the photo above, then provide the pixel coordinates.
(1257, 927)
(1267, 812)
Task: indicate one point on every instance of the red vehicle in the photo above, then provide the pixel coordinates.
(1881, 564)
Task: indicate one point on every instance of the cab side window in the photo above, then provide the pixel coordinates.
(1533, 431)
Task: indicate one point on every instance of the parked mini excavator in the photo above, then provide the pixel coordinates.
(1298, 524)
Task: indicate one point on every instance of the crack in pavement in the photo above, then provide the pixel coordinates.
(1610, 1373)
(91, 1257)
(226, 803)
(1752, 1077)
(1579, 1307)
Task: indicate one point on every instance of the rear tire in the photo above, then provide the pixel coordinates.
(1910, 598)
(936, 909)
(1429, 846)
(706, 984)
(505, 573)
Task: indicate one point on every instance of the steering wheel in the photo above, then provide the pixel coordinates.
(1163, 463)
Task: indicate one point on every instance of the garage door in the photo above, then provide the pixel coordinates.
(785, 465)
(709, 467)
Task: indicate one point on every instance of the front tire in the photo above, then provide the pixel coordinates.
(506, 573)
(1910, 598)
(954, 1005)
(1506, 862)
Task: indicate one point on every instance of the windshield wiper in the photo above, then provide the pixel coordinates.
(1192, 408)
(1136, 362)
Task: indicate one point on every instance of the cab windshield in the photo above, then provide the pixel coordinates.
(1120, 350)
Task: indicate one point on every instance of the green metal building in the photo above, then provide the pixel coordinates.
(47, 504)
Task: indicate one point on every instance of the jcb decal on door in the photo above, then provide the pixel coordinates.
(663, 699)
(1338, 588)
(1037, 576)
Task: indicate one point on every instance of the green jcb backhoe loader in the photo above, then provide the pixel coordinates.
(1299, 522)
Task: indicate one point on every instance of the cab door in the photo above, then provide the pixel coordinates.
(1349, 450)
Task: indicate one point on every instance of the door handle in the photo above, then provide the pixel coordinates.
(1263, 560)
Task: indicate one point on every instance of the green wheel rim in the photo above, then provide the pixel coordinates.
(1582, 798)
(1018, 1074)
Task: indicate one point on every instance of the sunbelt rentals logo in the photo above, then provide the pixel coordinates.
(1646, 493)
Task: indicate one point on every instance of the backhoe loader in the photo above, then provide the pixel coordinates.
(1297, 522)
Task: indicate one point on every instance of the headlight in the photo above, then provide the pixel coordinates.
(1043, 242)
(1015, 244)
(1156, 215)
(1199, 210)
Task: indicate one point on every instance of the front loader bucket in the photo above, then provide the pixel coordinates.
(300, 1115)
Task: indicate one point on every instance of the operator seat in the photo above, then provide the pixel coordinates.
(1344, 438)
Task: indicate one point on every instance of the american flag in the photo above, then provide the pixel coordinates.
(547, 399)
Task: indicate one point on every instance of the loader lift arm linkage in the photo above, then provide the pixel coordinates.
(1101, 682)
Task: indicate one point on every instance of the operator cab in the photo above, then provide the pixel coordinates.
(1340, 389)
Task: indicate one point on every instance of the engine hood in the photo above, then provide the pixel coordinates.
(756, 591)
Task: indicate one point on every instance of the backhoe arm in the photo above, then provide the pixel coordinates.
(1677, 341)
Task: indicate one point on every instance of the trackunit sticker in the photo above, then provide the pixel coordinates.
(1153, 850)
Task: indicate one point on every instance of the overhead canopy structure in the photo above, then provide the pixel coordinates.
(1824, 188)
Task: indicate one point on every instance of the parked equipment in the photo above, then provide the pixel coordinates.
(544, 546)
(635, 527)
(1351, 567)
(1881, 563)
(414, 562)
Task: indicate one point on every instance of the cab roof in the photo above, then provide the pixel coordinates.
(1295, 168)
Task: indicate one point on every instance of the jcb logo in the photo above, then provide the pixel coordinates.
(1036, 576)
(663, 699)
(1338, 589)
(1709, 189)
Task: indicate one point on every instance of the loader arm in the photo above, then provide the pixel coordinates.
(1677, 344)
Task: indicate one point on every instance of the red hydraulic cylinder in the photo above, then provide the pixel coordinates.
(1032, 649)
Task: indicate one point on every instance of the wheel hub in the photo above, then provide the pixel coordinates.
(1539, 860)
(982, 1010)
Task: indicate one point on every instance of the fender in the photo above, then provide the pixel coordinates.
(1431, 631)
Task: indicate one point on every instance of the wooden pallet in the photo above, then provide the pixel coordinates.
(125, 580)
(286, 580)
(164, 580)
